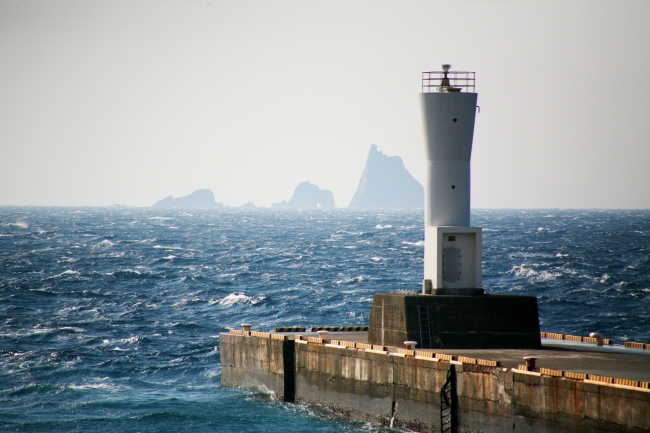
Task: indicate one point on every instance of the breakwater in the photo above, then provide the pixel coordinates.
(402, 389)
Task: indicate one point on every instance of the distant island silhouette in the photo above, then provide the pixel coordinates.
(308, 196)
(384, 184)
(247, 205)
(387, 184)
(200, 199)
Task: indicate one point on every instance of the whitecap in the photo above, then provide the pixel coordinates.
(239, 297)
(524, 271)
(350, 280)
(66, 273)
(169, 257)
(71, 328)
(606, 278)
(160, 218)
(20, 224)
(104, 386)
(167, 247)
(417, 244)
(380, 227)
(210, 374)
(234, 298)
(180, 303)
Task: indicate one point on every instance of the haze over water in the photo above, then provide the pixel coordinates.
(110, 318)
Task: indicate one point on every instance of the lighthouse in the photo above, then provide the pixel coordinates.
(452, 311)
(452, 248)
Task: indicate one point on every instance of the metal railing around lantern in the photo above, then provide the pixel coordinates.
(432, 81)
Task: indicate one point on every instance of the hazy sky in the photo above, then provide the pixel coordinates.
(126, 102)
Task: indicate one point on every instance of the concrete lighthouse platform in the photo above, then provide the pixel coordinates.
(448, 321)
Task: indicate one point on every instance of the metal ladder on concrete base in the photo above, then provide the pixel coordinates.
(425, 331)
(449, 404)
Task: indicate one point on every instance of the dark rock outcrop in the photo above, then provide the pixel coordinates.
(200, 199)
(308, 196)
(387, 184)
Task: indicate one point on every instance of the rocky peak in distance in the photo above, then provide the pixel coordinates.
(387, 184)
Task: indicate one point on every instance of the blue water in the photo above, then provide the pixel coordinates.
(110, 318)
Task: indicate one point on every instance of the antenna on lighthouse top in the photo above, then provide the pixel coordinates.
(444, 83)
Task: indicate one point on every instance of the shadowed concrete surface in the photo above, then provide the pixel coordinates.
(388, 387)
(485, 321)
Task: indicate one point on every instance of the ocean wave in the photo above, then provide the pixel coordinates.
(240, 298)
(166, 247)
(528, 272)
(186, 301)
(350, 280)
(73, 329)
(99, 386)
(104, 244)
(19, 224)
(125, 273)
(66, 273)
(417, 244)
(65, 259)
(35, 388)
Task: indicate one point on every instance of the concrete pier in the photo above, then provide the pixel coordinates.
(392, 385)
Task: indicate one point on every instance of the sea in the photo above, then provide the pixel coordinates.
(110, 317)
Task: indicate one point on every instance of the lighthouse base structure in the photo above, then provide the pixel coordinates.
(478, 322)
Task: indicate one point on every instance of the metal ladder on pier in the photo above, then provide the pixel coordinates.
(425, 331)
(449, 422)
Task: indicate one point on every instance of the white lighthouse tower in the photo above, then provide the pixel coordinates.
(452, 249)
(459, 315)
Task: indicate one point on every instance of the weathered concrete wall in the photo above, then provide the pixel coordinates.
(545, 403)
(368, 385)
(358, 384)
(253, 362)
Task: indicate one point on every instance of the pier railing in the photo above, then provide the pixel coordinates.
(432, 81)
